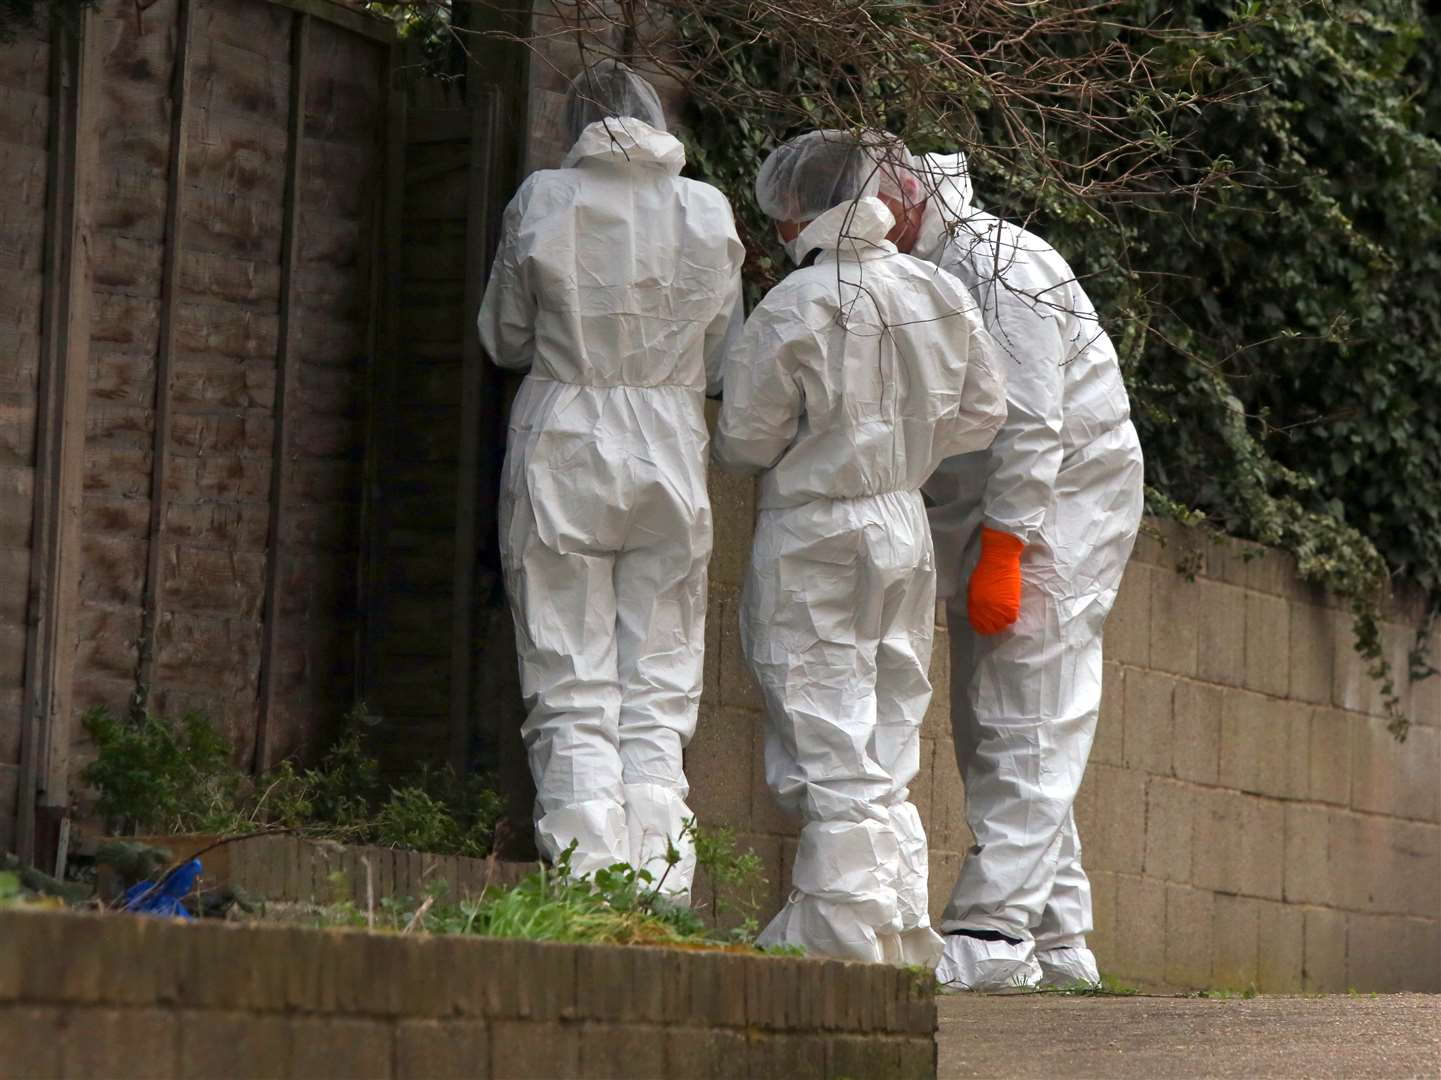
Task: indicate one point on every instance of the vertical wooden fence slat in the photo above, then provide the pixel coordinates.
(381, 390)
(169, 284)
(480, 188)
(60, 443)
(284, 374)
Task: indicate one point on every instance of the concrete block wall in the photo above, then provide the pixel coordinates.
(92, 996)
(1246, 819)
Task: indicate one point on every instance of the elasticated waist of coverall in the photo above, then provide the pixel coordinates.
(699, 391)
(775, 503)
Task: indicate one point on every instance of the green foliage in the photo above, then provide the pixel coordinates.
(155, 775)
(1280, 336)
(733, 875)
(616, 906)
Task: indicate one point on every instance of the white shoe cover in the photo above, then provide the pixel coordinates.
(822, 928)
(918, 947)
(1068, 968)
(596, 826)
(655, 818)
(987, 966)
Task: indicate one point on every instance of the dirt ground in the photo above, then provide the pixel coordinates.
(1053, 1035)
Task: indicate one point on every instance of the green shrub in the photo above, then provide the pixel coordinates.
(158, 775)
(154, 775)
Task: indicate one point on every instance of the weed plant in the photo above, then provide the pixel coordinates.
(157, 775)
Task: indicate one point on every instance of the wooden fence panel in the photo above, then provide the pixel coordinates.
(180, 475)
(25, 137)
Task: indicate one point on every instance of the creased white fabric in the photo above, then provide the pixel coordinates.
(848, 385)
(1065, 475)
(617, 284)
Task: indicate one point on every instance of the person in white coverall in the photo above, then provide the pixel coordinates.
(617, 284)
(1032, 535)
(851, 381)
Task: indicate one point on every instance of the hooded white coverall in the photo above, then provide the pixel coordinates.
(852, 379)
(1065, 476)
(617, 283)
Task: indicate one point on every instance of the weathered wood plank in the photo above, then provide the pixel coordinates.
(259, 28)
(208, 277)
(231, 80)
(207, 379)
(165, 358)
(242, 226)
(236, 155)
(289, 248)
(25, 65)
(49, 650)
(357, 22)
(480, 208)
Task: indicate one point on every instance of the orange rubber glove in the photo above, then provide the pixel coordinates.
(993, 599)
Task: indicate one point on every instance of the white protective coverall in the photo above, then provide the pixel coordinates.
(617, 283)
(852, 379)
(1064, 476)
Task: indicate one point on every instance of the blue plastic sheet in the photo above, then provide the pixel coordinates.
(144, 898)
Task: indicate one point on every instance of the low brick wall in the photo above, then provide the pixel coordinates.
(96, 996)
(1247, 819)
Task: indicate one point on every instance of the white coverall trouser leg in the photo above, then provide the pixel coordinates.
(837, 623)
(1025, 704)
(610, 632)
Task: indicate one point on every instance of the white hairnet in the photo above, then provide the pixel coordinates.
(899, 172)
(806, 176)
(610, 88)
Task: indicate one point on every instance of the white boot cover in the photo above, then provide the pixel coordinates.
(1068, 968)
(987, 966)
(844, 897)
(917, 943)
(655, 817)
(596, 826)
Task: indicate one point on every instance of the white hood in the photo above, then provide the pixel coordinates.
(946, 182)
(860, 227)
(626, 139)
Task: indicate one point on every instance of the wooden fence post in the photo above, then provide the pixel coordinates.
(284, 374)
(60, 441)
(169, 283)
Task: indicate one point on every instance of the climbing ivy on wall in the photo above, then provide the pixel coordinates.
(1280, 330)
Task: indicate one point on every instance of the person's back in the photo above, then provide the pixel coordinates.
(847, 385)
(621, 266)
(881, 390)
(616, 283)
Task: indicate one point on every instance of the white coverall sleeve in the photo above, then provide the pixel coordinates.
(982, 408)
(1026, 454)
(721, 335)
(506, 321)
(762, 404)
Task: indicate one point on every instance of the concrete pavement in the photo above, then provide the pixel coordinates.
(1055, 1035)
